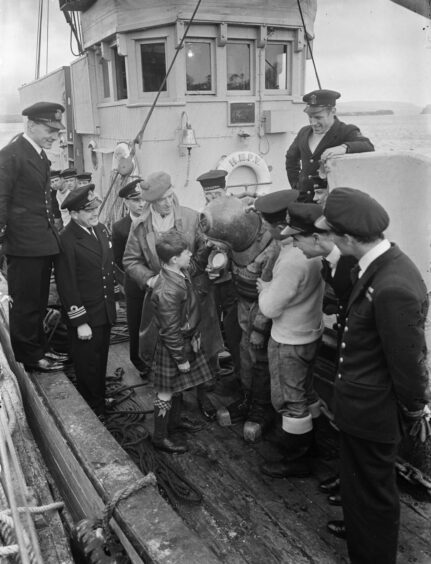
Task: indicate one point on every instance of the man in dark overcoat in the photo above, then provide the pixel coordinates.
(324, 138)
(382, 376)
(85, 280)
(135, 204)
(143, 265)
(28, 234)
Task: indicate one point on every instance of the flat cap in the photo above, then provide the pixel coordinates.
(301, 218)
(132, 190)
(273, 206)
(68, 173)
(155, 186)
(84, 176)
(82, 198)
(320, 99)
(353, 212)
(48, 113)
(55, 174)
(213, 179)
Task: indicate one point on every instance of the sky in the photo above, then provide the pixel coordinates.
(366, 49)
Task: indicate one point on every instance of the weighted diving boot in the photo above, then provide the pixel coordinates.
(235, 412)
(160, 438)
(297, 442)
(178, 422)
(260, 417)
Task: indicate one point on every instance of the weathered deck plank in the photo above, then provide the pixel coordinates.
(249, 518)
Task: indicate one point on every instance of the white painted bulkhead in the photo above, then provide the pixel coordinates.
(277, 113)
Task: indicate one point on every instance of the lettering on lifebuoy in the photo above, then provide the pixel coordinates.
(246, 158)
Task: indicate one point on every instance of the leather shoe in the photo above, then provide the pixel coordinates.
(57, 356)
(207, 409)
(169, 446)
(334, 499)
(330, 485)
(189, 425)
(284, 469)
(337, 528)
(44, 365)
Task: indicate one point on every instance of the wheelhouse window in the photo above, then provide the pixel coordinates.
(199, 73)
(238, 66)
(278, 67)
(153, 66)
(120, 75)
(105, 78)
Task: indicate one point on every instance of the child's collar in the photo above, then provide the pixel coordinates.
(180, 272)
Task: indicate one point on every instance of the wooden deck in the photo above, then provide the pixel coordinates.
(246, 517)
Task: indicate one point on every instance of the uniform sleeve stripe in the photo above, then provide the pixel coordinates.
(77, 312)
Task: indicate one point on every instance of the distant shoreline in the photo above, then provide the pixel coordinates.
(10, 118)
(368, 113)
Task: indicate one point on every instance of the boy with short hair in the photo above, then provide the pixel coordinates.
(179, 362)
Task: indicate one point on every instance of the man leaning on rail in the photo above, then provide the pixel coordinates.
(324, 138)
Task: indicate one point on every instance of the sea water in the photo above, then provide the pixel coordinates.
(387, 132)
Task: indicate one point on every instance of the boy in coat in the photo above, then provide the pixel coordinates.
(179, 361)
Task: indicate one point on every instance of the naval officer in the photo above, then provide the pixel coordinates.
(382, 375)
(85, 280)
(324, 138)
(135, 204)
(27, 232)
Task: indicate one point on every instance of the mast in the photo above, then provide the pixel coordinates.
(38, 40)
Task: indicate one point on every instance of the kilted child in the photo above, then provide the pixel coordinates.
(179, 361)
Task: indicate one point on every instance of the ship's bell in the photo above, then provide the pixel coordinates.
(226, 219)
(188, 137)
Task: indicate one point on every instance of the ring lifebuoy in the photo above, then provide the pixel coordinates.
(246, 158)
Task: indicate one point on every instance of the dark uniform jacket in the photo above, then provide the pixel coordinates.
(120, 234)
(383, 353)
(341, 284)
(85, 276)
(26, 218)
(302, 164)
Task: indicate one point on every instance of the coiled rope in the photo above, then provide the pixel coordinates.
(125, 421)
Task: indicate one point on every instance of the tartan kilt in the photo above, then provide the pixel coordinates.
(167, 377)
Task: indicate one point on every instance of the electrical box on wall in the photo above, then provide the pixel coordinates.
(275, 121)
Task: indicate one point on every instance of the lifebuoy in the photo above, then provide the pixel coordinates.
(246, 158)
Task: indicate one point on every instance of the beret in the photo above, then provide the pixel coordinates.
(155, 186)
(213, 179)
(353, 212)
(55, 173)
(84, 176)
(132, 190)
(273, 206)
(81, 198)
(68, 173)
(301, 218)
(49, 113)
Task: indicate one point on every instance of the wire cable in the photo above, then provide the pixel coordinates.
(309, 44)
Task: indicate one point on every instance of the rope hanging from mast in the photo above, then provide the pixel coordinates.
(308, 43)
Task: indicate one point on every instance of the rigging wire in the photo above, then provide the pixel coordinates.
(38, 39)
(47, 37)
(309, 44)
(138, 138)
